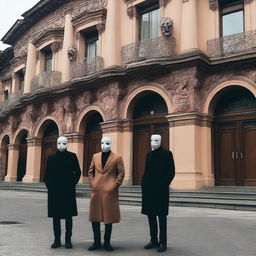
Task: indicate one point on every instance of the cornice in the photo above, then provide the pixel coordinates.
(53, 34)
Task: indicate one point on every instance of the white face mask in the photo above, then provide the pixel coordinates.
(105, 144)
(155, 141)
(62, 143)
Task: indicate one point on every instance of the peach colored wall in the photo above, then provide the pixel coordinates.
(13, 153)
(206, 25)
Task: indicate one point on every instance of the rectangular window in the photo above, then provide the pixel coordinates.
(232, 17)
(6, 95)
(48, 61)
(21, 81)
(149, 25)
(91, 44)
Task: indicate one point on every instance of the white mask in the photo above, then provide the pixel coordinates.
(155, 141)
(62, 143)
(105, 144)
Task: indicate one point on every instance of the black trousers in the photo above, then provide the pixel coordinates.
(152, 221)
(57, 228)
(97, 234)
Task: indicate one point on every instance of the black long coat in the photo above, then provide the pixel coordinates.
(158, 175)
(61, 176)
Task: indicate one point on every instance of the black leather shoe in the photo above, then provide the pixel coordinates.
(108, 247)
(56, 244)
(94, 246)
(151, 245)
(161, 248)
(68, 244)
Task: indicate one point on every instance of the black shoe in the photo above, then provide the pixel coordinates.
(94, 246)
(151, 245)
(56, 244)
(68, 244)
(161, 247)
(108, 247)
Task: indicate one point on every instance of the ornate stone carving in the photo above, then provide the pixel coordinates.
(166, 25)
(55, 47)
(71, 52)
(131, 12)
(163, 3)
(100, 27)
(213, 5)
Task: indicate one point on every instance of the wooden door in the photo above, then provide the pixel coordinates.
(141, 146)
(22, 162)
(247, 153)
(92, 145)
(235, 153)
(225, 158)
(49, 146)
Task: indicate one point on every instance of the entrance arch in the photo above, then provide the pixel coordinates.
(92, 137)
(149, 112)
(21, 141)
(234, 110)
(50, 133)
(4, 156)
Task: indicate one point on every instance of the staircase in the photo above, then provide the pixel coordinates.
(235, 198)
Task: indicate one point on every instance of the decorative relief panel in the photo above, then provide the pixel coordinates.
(213, 5)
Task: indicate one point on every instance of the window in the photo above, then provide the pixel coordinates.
(149, 25)
(48, 61)
(20, 75)
(232, 17)
(91, 44)
(6, 95)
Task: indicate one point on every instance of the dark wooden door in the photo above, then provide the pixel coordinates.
(235, 153)
(92, 145)
(49, 146)
(141, 145)
(22, 162)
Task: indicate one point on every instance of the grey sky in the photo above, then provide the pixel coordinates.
(10, 11)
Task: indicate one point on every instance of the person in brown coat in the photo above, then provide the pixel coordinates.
(106, 174)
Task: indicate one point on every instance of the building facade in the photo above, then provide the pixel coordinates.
(127, 69)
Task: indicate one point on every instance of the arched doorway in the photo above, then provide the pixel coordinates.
(49, 144)
(235, 137)
(149, 118)
(22, 158)
(92, 138)
(4, 157)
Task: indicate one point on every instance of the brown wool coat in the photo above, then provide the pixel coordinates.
(104, 204)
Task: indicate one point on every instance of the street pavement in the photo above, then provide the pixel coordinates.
(26, 231)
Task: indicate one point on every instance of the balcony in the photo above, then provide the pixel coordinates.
(232, 44)
(46, 79)
(86, 66)
(12, 99)
(146, 49)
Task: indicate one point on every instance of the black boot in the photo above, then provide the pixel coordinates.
(69, 225)
(107, 237)
(153, 243)
(57, 233)
(163, 233)
(97, 237)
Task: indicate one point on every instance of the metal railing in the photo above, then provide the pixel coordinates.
(46, 79)
(232, 44)
(150, 48)
(86, 66)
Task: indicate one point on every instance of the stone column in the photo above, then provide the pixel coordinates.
(121, 136)
(67, 42)
(33, 160)
(55, 47)
(30, 67)
(112, 42)
(189, 36)
(190, 143)
(13, 154)
(76, 145)
(15, 83)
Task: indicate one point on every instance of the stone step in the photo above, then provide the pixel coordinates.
(236, 198)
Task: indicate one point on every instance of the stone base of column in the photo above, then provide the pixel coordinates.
(10, 179)
(209, 181)
(83, 180)
(28, 179)
(188, 181)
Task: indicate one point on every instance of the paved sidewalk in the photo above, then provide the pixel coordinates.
(191, 231)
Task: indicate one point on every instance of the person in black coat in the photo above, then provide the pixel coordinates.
(61, 176)
(158, 175)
